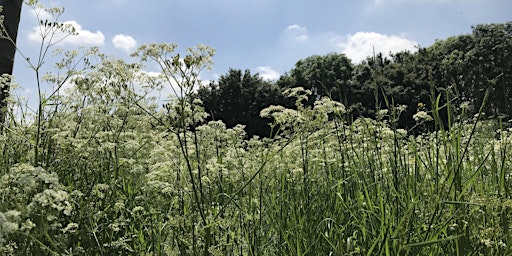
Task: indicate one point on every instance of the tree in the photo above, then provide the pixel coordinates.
(328, 75)
(237, 98)
(491, 64)
(469, 65)
(10, 11)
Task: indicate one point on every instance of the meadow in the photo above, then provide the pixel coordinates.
(104, 170)
(103, 166)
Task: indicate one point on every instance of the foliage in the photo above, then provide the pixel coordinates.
(453, 72)
(327, 75)
(237, 98)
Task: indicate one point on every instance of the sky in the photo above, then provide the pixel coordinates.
(265, 36)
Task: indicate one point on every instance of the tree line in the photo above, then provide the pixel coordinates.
(452, 75)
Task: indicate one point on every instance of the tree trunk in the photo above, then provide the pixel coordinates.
(11, 12)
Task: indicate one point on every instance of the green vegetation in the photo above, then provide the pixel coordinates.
(102, 169)
(461, 67)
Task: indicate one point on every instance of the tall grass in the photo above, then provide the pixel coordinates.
(119, 178)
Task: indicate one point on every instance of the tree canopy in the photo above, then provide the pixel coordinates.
(238, 97)
(459, 70)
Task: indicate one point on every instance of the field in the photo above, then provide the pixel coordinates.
(102, 170)
(104, 166)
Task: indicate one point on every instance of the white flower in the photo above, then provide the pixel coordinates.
(296, 92)
(401, 108)
(326, 105)
(197, 101)
(138, 209)
(12, 215)
(422, 116)
(9, 227)
(401, 132)
(28, 225)
(70, 228)
(119, 206)
(382, 112)
(268, 111)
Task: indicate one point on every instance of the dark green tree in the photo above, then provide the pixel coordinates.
(10, 11)
(238, 97)
(407, 84)
(397, 83)
(469, 65)
(491, 65)
(328, 75)
(369, 79)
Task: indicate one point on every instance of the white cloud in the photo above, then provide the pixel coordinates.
(267, 73)
(124, 42)
(83, 38)
(363, 44)
(357, 47)
(297, 32)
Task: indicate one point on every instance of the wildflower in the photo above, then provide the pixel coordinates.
(297, 172)
(295, 92)
(478, 115)
(140, 198)
(487, 242)
(68, 208)
(51, 217)
(197, 101)
(464, 105)
(119, 206)
(401, 132)
(12, 215)
(100, 189)
(27, 225)
(268, 111)
(205, 180)
(6, 223)
(386, 132)
(114, 227)
(326, 105)
(239, 129)
(98, 215)
(138, 209)
(401, 108)
(70, 228)
(382, 112)
(77, 194)
(422, 116)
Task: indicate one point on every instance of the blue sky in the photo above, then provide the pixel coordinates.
(265, 36)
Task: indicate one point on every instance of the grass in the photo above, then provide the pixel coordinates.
(113, 180)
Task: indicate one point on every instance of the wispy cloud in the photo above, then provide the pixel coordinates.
(124, 42)
(297, 42)
(297, 32)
